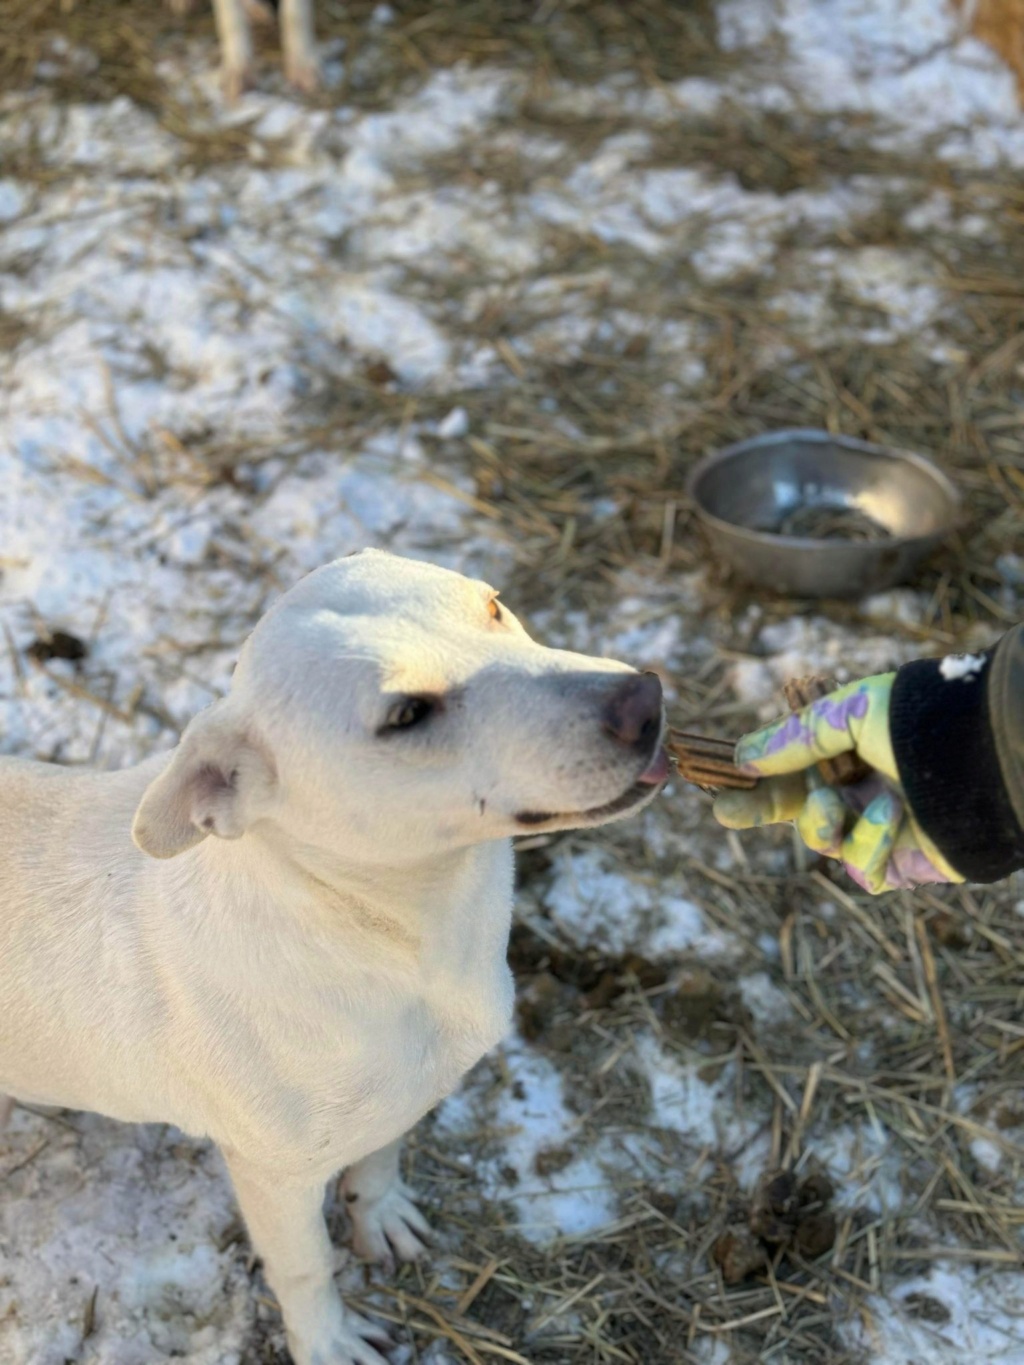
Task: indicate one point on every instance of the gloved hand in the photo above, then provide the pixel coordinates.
(868, 827)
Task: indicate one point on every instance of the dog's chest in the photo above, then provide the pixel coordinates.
(362, 1032)
(334, 1085)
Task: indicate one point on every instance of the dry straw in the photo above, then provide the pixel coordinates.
(907, 1012)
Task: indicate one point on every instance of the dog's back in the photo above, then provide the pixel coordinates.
(70, 943)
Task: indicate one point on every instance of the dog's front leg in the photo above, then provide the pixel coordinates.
(386, 1223)
(287, 1229)
(298, 43)
(235, 45)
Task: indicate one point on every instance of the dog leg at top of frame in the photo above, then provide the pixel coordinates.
(298, 44)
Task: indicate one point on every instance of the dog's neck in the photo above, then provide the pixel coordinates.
(449, 915)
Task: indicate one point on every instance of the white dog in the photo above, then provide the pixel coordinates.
(307, 983)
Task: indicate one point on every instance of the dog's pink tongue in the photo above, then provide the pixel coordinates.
(658, 769)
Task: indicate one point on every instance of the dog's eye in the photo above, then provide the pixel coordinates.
(405, 714)
(494, 609)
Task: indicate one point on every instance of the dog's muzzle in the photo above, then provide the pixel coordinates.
(633, 716)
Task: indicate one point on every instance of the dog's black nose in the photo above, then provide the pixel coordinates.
(632, 714)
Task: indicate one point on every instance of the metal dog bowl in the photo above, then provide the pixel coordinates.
(814, 515)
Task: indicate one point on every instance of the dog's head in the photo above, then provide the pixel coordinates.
(386, 710)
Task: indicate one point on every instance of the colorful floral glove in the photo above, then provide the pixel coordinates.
(868, 827)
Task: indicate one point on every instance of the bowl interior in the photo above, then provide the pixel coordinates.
(779, 487)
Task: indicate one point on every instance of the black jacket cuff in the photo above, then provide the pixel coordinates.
(949, 768)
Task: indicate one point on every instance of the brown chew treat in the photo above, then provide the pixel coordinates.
(845, 769)
(709, 763)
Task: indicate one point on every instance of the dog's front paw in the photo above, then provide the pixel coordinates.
(259, 12)
(303, 73)
(235, 80)
(389, 1227)
(355, 1341)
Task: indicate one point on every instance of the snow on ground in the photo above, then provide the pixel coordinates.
(913, 62)
(78, 1196)
(171, 319)
(955, 1314)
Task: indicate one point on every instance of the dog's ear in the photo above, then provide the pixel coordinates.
(219, 780)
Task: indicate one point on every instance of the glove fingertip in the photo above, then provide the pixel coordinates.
(731, 811)
(860, 876)
(749, 766)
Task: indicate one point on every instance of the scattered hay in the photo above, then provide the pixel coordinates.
(555, 39)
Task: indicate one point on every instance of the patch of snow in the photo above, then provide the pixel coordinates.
(899, 605)
(680, 1098)
(986, 1153)
(812, 644)
(12, 200)
(934, 213)
(731, 250)
(768, 1005)
(699, 95)
(452, 106)
(571, 1201)
(684, 926)
(366, 316)
(911, 63)
(711, 1350)
(699, 1110)
(454, 425)
(743, 24)
(952, 1314)
(649, 642)
(865, 1164)
(891, 283)
(1011, 569)
(594, 904)
(66, 1220)
(618, 912)
(894, 282)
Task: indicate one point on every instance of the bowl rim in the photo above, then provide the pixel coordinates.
(816, 435)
